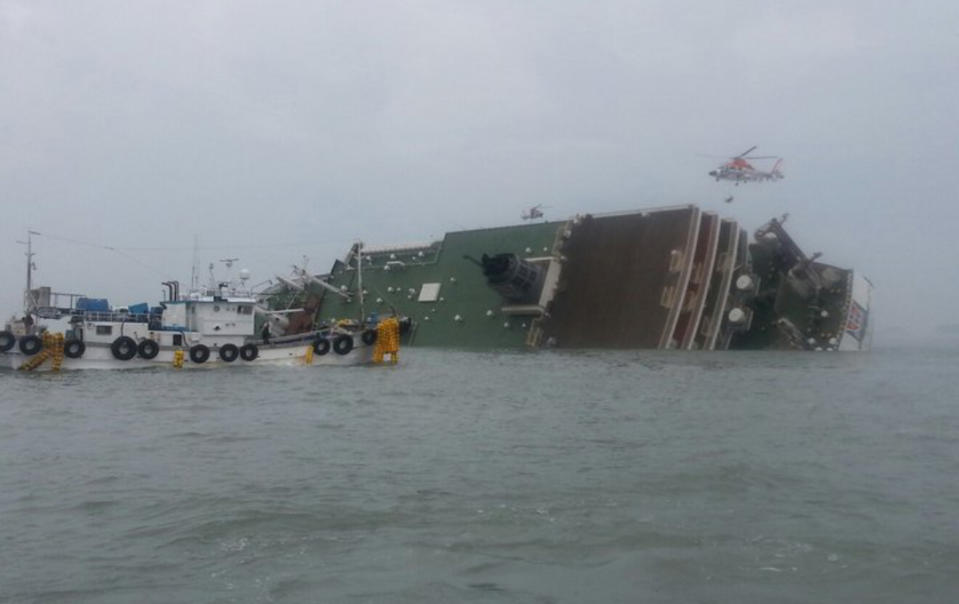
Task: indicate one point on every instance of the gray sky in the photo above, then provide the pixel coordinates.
(276, 129)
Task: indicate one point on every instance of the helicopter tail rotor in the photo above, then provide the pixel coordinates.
(777, 168)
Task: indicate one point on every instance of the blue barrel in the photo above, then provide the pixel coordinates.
(93, 304)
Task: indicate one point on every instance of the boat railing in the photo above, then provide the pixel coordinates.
(112, 316)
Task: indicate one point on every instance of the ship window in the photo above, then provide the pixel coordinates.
(429, 292)
(675, 261)
(668, 296)
(704, 326)
(104, 330)
(216, 308)
(244, 310)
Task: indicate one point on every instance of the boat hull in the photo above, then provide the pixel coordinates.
(100, 357)
(667, 278)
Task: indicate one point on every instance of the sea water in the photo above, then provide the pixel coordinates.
(488, 477)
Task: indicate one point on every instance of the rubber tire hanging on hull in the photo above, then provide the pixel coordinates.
(321, 346)
(31, 345)
(343, 344)
(249, 352)
(228, 353)
(369, 337)
(7, 341)
(123, 348)
(148, 349)
(74, 349)
(199, 353)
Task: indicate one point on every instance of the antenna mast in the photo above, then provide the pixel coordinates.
(359, 278)
(194, 277)
(27, 294)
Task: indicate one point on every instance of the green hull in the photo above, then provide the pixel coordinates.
(667, 278)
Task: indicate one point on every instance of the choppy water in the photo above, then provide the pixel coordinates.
(474, 477)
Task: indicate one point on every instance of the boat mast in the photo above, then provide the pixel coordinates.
(359, 278)
(27, 295)
(194, 276)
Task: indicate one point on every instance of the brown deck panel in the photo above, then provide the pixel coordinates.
(742, 260)
(703, 263)
(719, 287)
(613, 280)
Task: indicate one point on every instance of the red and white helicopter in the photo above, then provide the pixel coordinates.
(738, 170)
(533, 213)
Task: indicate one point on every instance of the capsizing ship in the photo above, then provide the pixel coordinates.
(660, 278)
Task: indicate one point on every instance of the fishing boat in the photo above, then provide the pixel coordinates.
(222, 325)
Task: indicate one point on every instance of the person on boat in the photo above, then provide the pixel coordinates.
(265, 332)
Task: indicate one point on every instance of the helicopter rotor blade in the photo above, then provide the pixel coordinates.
(748, 151)
(759, 156)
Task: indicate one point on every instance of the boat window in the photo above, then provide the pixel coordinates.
(429, 292)
(104, 330)
(244, 310)
(675, 261)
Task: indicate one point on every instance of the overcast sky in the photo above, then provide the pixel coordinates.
(271, 130)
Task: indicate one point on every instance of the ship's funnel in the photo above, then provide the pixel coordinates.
(514, 278)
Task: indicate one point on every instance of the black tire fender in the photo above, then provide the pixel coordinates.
(321, 346)
(123, 348)
(249, 352)
(7, 340)
(199, 353)
(343, 344)
(31, 345)
(228, 353)
(148, 349)
(74, 349)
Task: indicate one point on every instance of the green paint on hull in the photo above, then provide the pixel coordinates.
(463, 289)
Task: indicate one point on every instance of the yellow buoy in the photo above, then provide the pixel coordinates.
(46, 351)
(387, 341)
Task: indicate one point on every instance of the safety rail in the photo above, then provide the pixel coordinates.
(113, 316)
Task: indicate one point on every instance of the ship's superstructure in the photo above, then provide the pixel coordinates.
(668, 278)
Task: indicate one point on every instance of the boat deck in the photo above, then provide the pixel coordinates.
(623, 281)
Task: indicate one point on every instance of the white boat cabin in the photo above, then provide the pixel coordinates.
(214, 320)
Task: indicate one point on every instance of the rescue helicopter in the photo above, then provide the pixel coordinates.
(738, 169)
(533, 213)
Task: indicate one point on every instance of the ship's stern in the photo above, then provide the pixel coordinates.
(857, 329)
